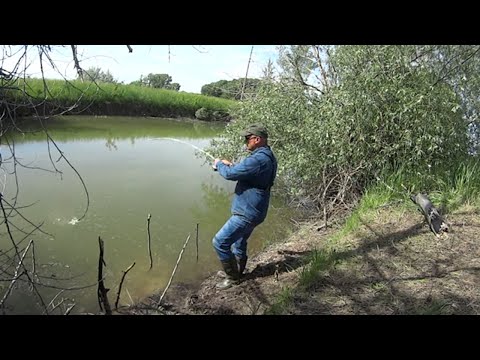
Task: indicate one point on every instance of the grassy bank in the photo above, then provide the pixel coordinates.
(87, 98)
(384, 260)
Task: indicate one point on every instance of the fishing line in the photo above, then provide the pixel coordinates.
(184, 142)
(244, 148)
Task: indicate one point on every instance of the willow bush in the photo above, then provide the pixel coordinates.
(341, 117)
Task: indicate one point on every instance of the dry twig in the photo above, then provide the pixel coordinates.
(174, 270)
(149, 246)
(16, 275)
(196, 241)
(121, 283)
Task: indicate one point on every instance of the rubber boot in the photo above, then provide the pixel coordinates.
(231, 274)
(241, 263)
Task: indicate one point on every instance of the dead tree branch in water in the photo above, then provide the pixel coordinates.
(196, 240)
(174, 270)
(149, 246)
(69, 309)
(62, 290)
(52, 302)
(121, 283)
(66, 307)
(102, 291)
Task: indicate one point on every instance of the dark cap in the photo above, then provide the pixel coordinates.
(255, 129)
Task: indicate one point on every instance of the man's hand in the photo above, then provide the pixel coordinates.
(226, 162)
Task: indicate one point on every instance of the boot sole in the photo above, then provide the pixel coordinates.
(221, 274)
(220, 287)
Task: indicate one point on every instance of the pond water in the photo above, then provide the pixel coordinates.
(131, 167)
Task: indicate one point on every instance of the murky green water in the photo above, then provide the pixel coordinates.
(130, 172)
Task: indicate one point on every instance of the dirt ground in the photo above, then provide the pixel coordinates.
(392, 264)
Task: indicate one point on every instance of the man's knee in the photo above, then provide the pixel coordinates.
(215, 243)
(219, 245)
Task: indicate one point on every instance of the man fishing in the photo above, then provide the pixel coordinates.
(255, 176)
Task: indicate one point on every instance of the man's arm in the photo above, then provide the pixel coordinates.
(242, 171)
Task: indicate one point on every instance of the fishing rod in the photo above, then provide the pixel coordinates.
(194, 146)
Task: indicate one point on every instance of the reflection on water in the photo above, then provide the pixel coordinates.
(129, 172)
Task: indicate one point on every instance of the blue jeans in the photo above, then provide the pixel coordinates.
(232, 238)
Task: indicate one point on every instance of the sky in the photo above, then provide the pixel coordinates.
(191, 66)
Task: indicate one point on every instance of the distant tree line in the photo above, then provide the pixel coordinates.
(231, 89)
(157, 81)
(236, 89)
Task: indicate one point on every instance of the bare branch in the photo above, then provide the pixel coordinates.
(23, 217)
(200, 51)
(149, 247)
(174, 270)
(456, 67)
(16, 276)
(77, 63)
(18, 256)
(78, 174)
(69, 309)
(55, 297)
(196, 240)
(102, 291)
(246, 74)
(121, 283)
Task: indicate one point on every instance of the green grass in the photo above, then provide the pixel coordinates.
(284, 299)
(462, 187)
(318, 261)
(107, 96)
(437, 307)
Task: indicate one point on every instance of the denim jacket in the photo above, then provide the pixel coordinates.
(255, 176)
